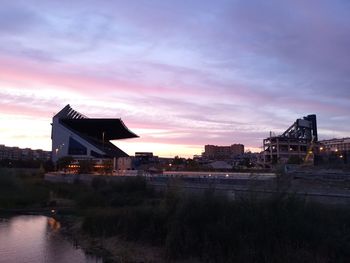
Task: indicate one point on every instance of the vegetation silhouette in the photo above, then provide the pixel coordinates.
(204, 227)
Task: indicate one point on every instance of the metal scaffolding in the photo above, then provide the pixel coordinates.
(296, 142)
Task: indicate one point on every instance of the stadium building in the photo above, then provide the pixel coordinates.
(80, 137)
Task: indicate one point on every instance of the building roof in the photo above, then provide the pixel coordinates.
(102, 129)
(68, 113)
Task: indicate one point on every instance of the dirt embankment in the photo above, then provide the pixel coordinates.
(111, 249)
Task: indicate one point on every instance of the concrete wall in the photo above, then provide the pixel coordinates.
(235, 189)
(60, 142)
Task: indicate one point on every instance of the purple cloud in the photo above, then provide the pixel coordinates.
(205, 72)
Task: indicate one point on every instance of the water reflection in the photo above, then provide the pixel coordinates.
(30, 239)
(53, 224)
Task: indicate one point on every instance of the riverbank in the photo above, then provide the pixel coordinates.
(110, 249)
(24, 192)
(128, 221)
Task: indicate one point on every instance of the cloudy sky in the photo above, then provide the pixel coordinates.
(181, 74)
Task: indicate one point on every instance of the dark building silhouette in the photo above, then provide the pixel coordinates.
(216, 152)
(296, 142)
(26, 154)
(73, 134)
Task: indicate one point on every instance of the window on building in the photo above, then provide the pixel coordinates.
(76, 148)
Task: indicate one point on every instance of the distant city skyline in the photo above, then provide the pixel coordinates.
(180, 74)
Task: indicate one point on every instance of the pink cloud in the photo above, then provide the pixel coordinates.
(25, 110)
(68, 78)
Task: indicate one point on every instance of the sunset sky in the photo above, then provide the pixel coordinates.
(180, 74)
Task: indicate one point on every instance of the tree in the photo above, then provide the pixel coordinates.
(192, 164)
(178, 160)
(48, 166)
(85, 166)
(63, 162)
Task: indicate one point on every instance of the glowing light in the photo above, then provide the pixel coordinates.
(54, 224)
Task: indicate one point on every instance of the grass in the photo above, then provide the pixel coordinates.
(21, 188)
(214, 229)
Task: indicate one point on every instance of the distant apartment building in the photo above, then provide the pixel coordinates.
(335, 145)
(145, 155)
(216, 152)
(141, 161)
(125, 163)
(16, 153)
(333, 152)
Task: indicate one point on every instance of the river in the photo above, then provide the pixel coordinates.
(37, 239)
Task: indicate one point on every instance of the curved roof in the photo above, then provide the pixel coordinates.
(100, 129)
(68, 113)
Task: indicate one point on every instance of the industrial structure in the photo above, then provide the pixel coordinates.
(75, 135)
(296, 142)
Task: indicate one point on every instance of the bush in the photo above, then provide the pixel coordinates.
(206, 227)
(214, 229)
(131, 223)
(91, 199)
(8, 180)
(21, 188)
(97, 183)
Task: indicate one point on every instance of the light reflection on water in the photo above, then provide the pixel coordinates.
(30, 239)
